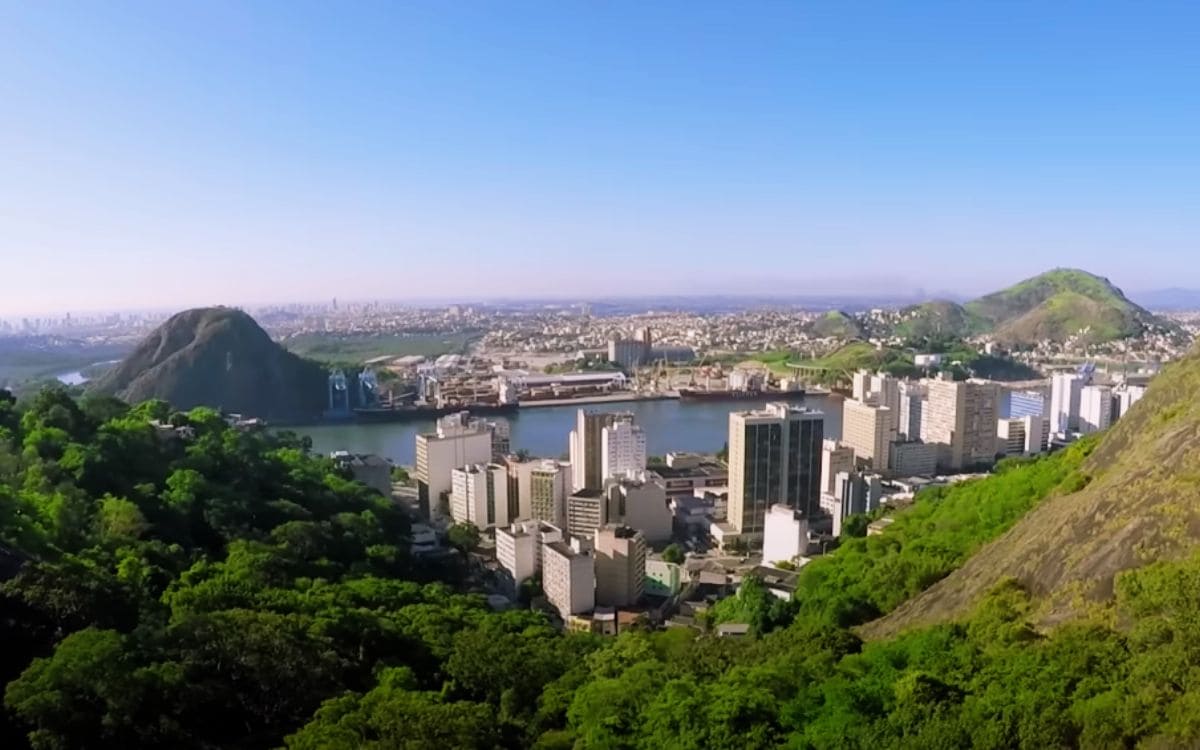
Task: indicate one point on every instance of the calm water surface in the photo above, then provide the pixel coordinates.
(669, 425)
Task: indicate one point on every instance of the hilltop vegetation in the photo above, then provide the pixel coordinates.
(1135, 505)
(1055, 306)
(836, 324)
(218, 357)
(225, 589)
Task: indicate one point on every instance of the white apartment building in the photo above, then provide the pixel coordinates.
(456, 442)
(835, 457)
(622, 450)
(479, 495)
(1065, 391)
(542, 488)
(1095, 408)
(569, 577)
(519, 548)
(785, 536)
(1127, 396)
(585, 447)
(912, 403)
(870, 431)
(1023, 436)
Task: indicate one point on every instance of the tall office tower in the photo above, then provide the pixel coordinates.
(1026, 404)
(620, 554)
(887, 393)
(1095, 408)
(569, 577)
(870, 431)
(774, 457)
(622, 450)
(479, 495)
(519, 549)
(912, 402)
(836, 457)
(960, 418)
(454, 443)
(586, 447)
(543, 489)
(1065, 390)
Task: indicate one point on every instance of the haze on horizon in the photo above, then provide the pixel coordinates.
(168, 155)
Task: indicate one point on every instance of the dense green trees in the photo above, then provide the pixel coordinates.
(207, 587)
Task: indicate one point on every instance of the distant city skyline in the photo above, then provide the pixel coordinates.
(168, 156)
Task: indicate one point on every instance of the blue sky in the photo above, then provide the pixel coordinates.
(173, 154)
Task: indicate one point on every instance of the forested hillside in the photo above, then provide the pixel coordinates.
(205, 587)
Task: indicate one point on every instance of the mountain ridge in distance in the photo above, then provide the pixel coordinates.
(218, 357)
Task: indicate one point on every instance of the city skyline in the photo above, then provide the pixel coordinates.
(214, 153)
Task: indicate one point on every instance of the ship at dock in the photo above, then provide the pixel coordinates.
(756, 394)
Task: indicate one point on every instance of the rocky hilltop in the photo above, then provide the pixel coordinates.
(218, 357)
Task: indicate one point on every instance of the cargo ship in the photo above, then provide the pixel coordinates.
(690, 394)
(411, 412)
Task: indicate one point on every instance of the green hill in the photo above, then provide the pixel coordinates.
(1063, 303)
(836, 324)
(218, 357)
(1056, 306)
(1134, 503)
(938, 320)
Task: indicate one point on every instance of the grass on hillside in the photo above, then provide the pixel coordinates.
(363, 347)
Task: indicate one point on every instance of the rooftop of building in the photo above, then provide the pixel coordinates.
(588, 493)
(705, 469)
(564, 549)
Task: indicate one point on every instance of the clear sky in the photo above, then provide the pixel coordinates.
(172, 154)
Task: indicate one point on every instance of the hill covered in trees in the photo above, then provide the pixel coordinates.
(219, 357)
(1056, 305)
(205, 587)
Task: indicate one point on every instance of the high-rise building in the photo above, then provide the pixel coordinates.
(860, 385)
(501, 432)
(835, 457)
(870, 431)
(479, 495)
(640, 502)
(620, 554)
(543, 487)
(587, 447)
(774, 457)
(1127, 396)
(960, 418)
(912, 403)
(587, 510)
(1022, 436)
(569, 577)
(911, 458)
(519, 549)
(785, 535)
(454, 443)
(887, 393)
(622, 450)
(1065, 390)
(856, 492)
(1095, 408)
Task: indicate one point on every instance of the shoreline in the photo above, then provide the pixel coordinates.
(612, 398)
